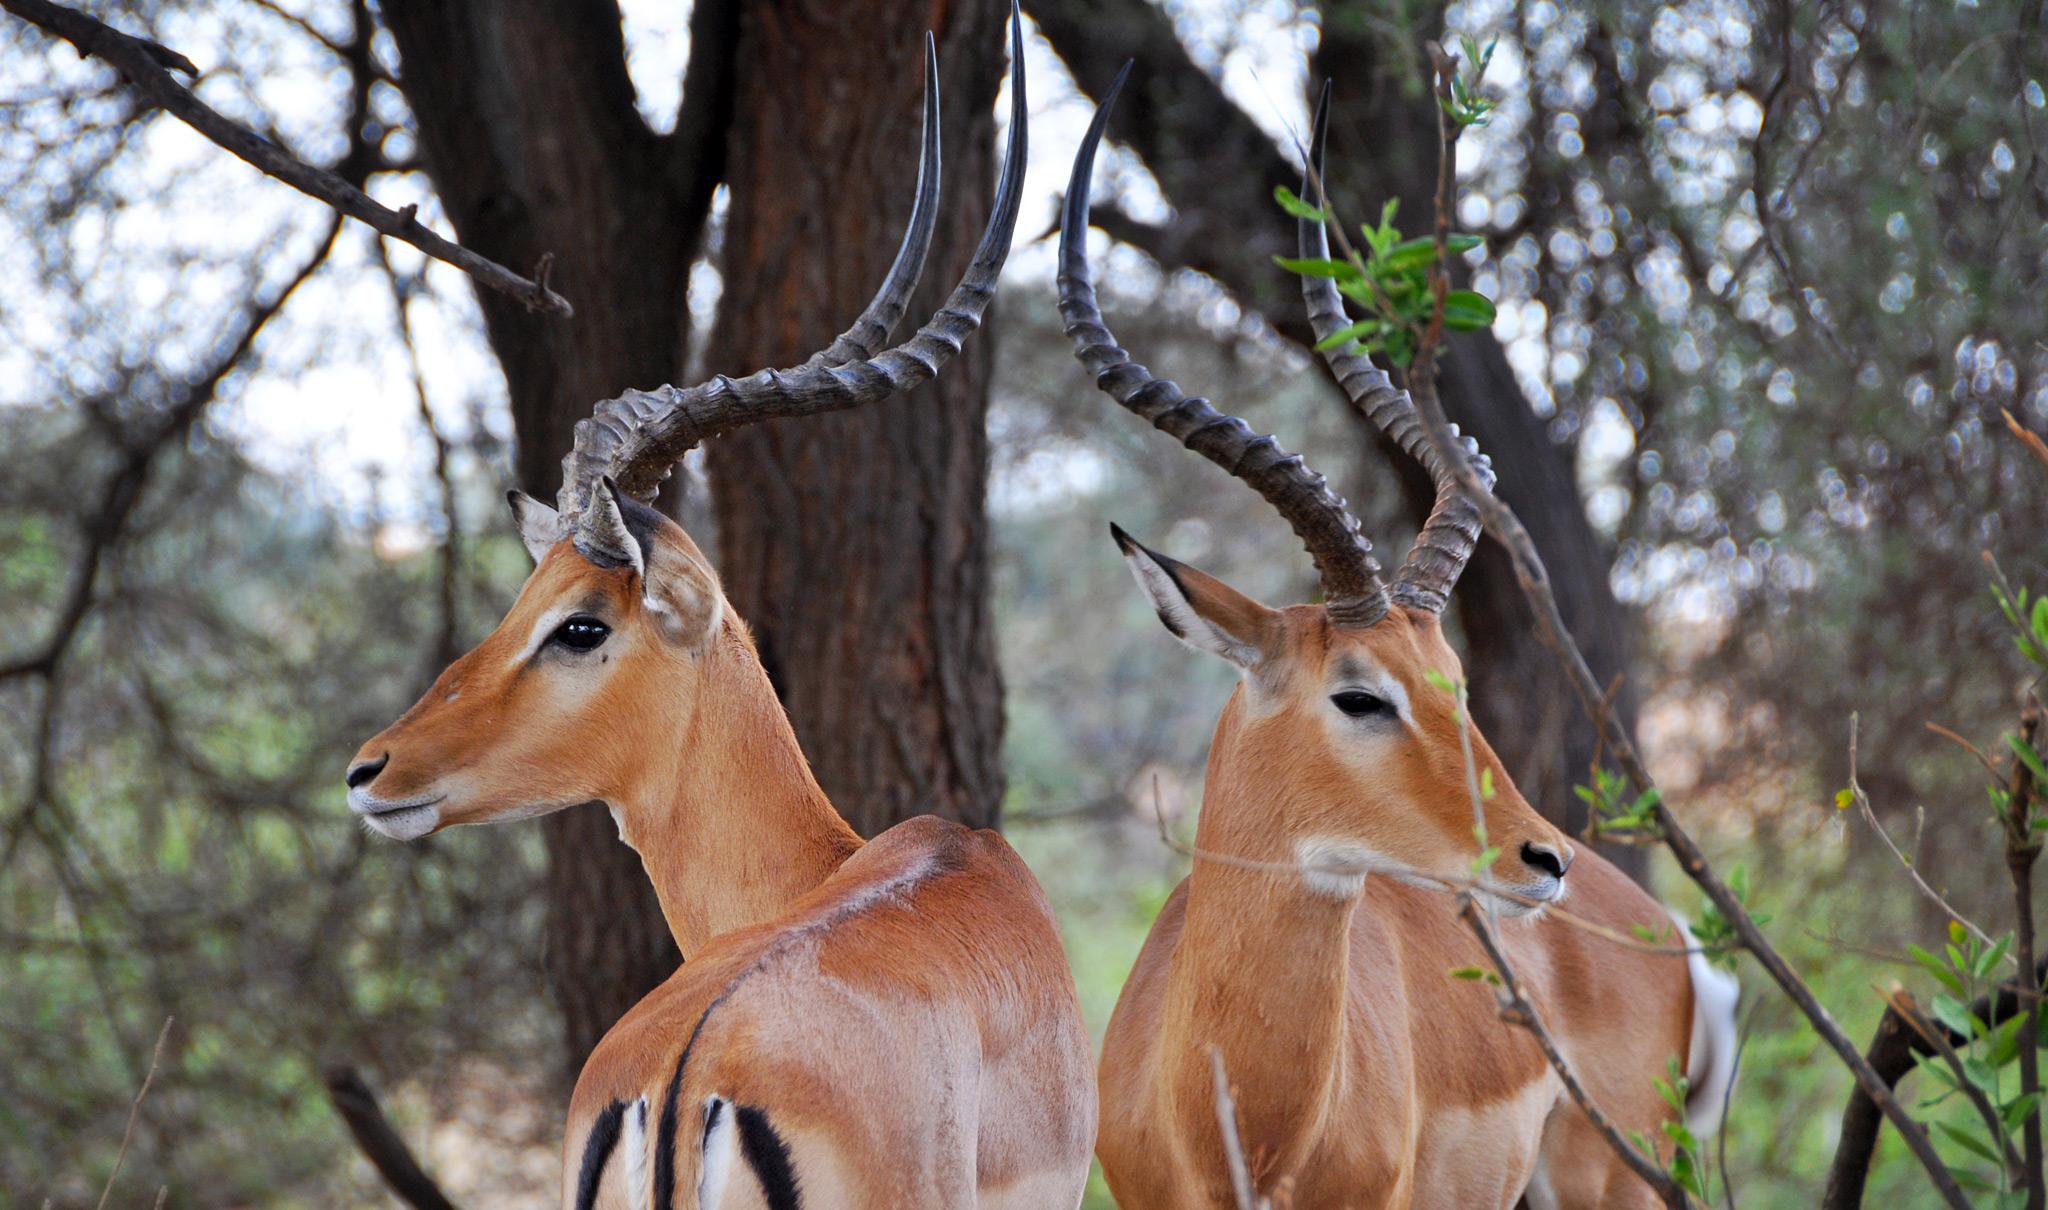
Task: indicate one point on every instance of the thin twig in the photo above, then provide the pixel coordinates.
(134, 1110)
(1447, 886)
(1862, 801)
(1233, 1147)
(1516, 1009)
(144, 64)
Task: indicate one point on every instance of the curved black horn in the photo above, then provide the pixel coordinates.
(637, 437)
(1452, 531)
(1352, 589)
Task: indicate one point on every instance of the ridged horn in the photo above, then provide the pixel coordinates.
(1448, 537)
(638, 437)
(1352, 590)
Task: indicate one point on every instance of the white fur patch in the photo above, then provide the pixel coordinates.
(721, 1152)
(1180, 617)
(1710, 1060)
(1335, 868)
(639, 1193)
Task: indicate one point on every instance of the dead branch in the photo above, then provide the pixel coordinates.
(380, 1142)
(147, 66)
(1233, 1147)
(156, 1056)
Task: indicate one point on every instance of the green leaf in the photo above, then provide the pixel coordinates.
(1420, 251)
(1954, 1014)
(1989, 959)
(2019, 1109)
(1467, 311)
(1467, 972)
(1487, 857)
(1936, 967)
(1296, 207)
(2025, 751)
(1319, 266)
(1350, 332)
(1968, 1142)
(1979, 1072)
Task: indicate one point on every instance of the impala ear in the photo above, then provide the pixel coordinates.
(1199, 609)
(683, 595)
(601, 532)
(540, 527)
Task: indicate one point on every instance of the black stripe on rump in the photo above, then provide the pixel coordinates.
(597, 1148)
(768, 1155)
(665, 1136)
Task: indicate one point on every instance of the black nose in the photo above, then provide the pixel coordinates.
(1545, 858)
(369, 769)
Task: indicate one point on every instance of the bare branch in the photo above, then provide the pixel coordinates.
(386, 1151)
(134, 1109)
(1233, 1147)
(144, 65)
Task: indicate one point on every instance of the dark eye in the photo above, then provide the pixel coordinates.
(1359, 704)
(581, 634)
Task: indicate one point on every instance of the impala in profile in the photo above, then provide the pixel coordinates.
(863, 1025)
(1313, 952)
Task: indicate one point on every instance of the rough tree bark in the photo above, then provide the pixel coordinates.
(857, 545)
(1218, 169)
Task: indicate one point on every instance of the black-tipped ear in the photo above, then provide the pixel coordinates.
(1197, 608)
(540, 527)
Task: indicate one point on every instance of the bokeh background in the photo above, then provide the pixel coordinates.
(1767, 275)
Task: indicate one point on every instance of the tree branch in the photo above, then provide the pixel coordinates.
(144, 64)
(380, 1143)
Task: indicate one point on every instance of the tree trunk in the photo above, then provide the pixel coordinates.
(856, 545)
(528, 128)
(1218, 169)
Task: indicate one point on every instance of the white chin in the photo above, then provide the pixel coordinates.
(1526, 901)
(405, 823)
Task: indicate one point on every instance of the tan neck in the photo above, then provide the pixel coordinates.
(1261, 971)
(730, 825)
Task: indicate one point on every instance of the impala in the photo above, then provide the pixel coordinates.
(1363, 1075)
(864, 1025)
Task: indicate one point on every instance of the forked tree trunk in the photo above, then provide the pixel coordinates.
(856, 545)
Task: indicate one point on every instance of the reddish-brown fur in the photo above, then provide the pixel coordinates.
(1364, 1075)
(902, 1011)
